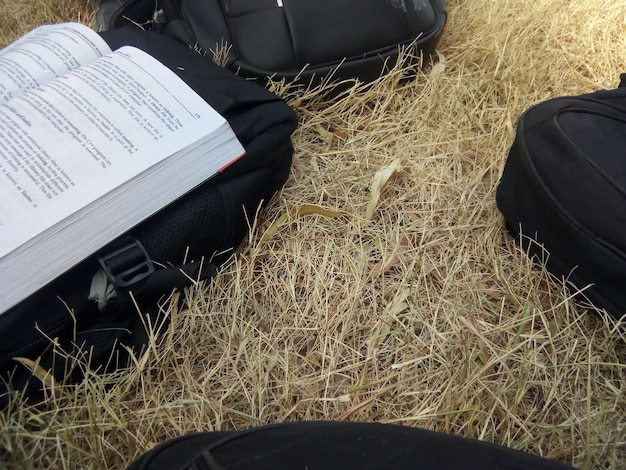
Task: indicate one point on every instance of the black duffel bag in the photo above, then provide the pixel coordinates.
(563, 192)
(58, 326)
(302, 41)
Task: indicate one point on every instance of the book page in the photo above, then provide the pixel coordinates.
(68, 142)
(45, 53)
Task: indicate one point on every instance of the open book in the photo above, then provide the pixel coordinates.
(92, 142)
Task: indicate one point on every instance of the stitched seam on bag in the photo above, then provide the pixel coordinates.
(529, 165)
(584, 155)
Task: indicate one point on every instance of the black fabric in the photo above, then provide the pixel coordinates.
(328, 444)
(304, 41)
(298, 40)
(115, 13)
(185, 241)
(564, 188)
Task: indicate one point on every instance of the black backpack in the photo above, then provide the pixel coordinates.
(332, 444)
(302, 41)
(563, 192)
(185, 242)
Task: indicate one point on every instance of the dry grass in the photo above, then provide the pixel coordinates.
(413, 306)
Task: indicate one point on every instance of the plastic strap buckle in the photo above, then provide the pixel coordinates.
(128, 264)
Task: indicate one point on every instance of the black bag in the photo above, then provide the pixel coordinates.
(564, 189)
(328, 444)
(302, 41)
(191, 236)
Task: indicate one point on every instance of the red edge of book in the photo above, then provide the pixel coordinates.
(231, 162)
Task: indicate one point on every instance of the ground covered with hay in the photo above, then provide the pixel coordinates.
(380, 285)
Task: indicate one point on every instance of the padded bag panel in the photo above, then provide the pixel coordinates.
(564, 185)
(280, 37)
(258, 30)
(211, 219)
(328, 444)
(334, 29)
(340, 29)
